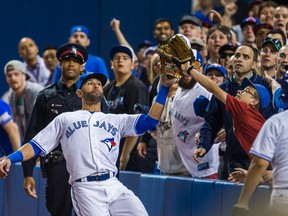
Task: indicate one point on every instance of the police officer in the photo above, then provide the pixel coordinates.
(52, 101)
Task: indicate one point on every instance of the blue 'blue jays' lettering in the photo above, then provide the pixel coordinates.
(106, 126)
(75, 126)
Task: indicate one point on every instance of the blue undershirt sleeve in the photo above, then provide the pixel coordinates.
(145, 123)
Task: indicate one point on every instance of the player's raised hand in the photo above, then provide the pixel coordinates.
(29, 186)
(4, 167)
(199, 152)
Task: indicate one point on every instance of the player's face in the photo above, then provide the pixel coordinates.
(268, 56)
(122, 64)
(282, 60)
(28, 49)
(70, 68)
(92, 91)
(50, 59)
(249, 96)
(16, 80)
(80, 38)
(243, 62)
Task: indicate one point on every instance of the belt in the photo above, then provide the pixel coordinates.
(97, 177)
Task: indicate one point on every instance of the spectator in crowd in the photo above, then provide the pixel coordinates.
(267, 11)
(190, 26)
(81, 35)
(9, 133)
(247, 30)
(254, 8)
(244, 63)
(200, 46)
(260, 31)
(268, 55)
(34, 64)
(206, 26)
(162, 30)
(282, 62)
(124, 95)
(278, 34)
(217, 36)
(23, 95)
(50, 61)
(280, 20)
(226, 52)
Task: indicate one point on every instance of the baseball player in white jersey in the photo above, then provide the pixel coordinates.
(185, 126)
(270, 146)
(90, 143)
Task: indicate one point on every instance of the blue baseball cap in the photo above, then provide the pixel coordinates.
(263, 93)
(249, 21)
(83, 78)
(80, 28)
(216, 67)
(198, 56)
(120, 49)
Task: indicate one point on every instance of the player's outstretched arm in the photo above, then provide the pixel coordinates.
(26, 152)
(205, 81)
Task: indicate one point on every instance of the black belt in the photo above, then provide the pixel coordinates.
(97, 177)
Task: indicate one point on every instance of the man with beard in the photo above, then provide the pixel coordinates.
(52, 101)
(244, 63)
(186, 123)
(90, 140)
(23, 94)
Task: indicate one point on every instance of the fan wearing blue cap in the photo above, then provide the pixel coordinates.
(216, 72)
(247, 29)
(80, 34)
(245, 108)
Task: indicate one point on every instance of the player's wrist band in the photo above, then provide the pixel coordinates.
(162, 94)
(15, 157)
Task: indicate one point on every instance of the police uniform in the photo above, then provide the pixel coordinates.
(52, 101)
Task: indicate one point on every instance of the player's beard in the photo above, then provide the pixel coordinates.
(93, 97)
(186, 85)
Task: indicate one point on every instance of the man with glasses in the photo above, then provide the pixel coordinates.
(244, 63)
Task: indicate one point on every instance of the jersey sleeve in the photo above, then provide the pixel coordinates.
(49, 138)
(233, 105)
(128, 125)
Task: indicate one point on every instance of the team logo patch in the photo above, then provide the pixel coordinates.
(183, 135)
(109, 142)
(73, 50)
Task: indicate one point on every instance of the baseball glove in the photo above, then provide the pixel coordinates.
(174, 53)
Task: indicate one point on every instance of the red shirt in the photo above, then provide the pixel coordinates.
(247, 122)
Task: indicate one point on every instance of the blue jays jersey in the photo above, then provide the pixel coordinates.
(5, 117)
(90, 141)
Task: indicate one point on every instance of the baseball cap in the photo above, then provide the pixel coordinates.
(121, 49)
(263, 93)
(207, 24)
(16, 65)
(198, 56)
(228, 48)
(249, 20)
(190, 19)
(197, 43)
(216, 67)
(261, 26)
(149, 50)
(277, 43)
(80, 28)
(72, 50)
(144, 44)
(83, 78)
